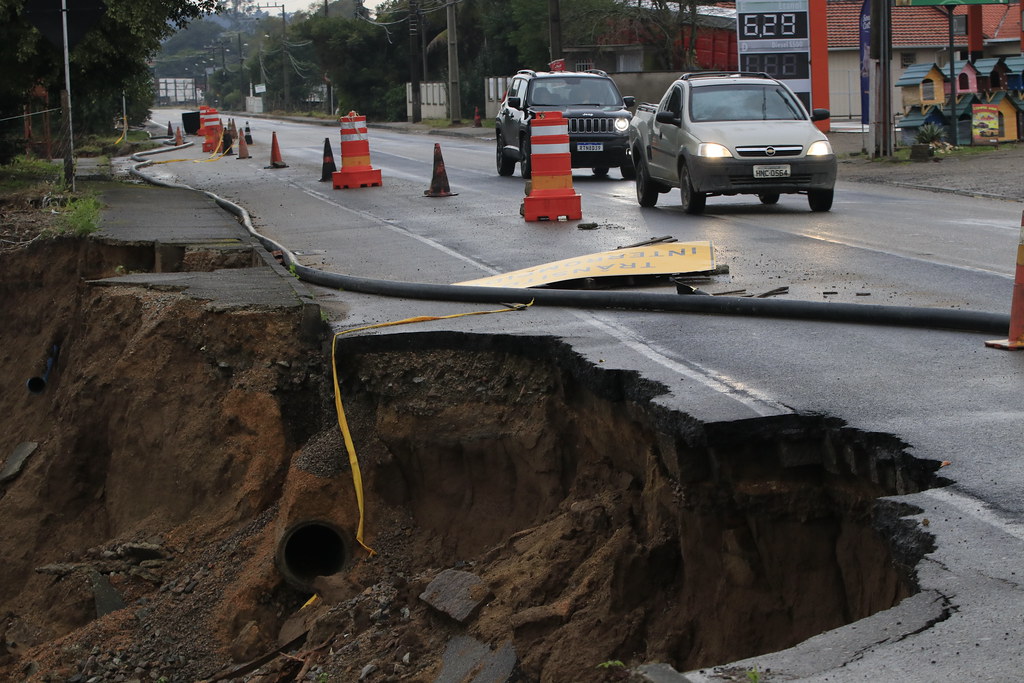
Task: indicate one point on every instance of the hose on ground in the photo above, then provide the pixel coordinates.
(870, 314)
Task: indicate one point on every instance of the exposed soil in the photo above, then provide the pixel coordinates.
(179, 446)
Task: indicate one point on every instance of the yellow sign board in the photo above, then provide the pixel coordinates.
(664, 258)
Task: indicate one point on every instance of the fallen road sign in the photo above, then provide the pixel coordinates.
(664, 258)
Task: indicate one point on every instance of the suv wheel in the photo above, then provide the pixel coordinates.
(769, 197)
(506, 166)
(628, 170)
(600, 172)
(646, 193)
(693, 201)
(524, 163)
(820, 200)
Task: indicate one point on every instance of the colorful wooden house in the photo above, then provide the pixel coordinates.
(919, 115)
(966, 77)
(992, 74)
(921, 85)
(1014, 72)
(1005, 126)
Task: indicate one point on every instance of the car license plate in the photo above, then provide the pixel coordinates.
(590, 147)
(775, 171)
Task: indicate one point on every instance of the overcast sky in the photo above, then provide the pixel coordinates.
(296, 5)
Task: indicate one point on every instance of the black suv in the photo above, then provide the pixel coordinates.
(597, 115)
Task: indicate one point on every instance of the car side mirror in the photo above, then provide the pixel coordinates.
(665, 116)
(820, 115)
(629, 101)
(515, 102)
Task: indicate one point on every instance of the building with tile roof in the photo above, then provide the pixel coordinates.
(919, 35)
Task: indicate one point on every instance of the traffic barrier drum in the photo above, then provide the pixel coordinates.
(551, 192)
(356, 170)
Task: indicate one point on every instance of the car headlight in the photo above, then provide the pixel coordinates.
(621, 125)
(819, 148)
(713, 150)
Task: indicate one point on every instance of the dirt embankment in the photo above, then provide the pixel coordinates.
(177, 446)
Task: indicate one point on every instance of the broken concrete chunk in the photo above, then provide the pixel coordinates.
(468, 660)
(141, 552)
(457, 594)
(107, 598)
(12, 467)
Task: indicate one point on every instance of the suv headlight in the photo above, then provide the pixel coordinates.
(621, 125)
(713, 150)
(819, 148)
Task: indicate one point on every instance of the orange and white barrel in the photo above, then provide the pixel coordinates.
(356, 170)
(551, 193)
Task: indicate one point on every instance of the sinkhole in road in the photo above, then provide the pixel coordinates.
(609, 526)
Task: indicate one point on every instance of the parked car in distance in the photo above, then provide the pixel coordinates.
(729, 133)
(597, 115)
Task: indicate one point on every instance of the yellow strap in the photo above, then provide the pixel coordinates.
(216, 152)
(124, 130)
(353, 459)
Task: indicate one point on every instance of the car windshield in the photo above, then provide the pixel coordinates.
(736, 102)
(570, 90)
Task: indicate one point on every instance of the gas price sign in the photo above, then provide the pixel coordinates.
(773, 38)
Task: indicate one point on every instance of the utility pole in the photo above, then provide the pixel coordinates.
(555, 29)
(454, 97)
(414, 77)
(65, 103)
(242, 90)
(286, 58)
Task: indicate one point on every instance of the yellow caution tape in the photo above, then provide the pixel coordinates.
(353, 459)
(311, 601)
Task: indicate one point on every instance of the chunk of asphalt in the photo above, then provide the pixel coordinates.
(465, 657)
(456, 593)
(107, 598)
(14, 463)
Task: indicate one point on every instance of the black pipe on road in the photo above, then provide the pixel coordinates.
(869, 314)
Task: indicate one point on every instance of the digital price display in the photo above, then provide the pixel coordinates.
(772, 25)
(774, 38)
(786, 66)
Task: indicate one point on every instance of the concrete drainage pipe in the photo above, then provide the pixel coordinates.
(309, 549)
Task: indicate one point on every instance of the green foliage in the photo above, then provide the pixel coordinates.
(754, 675)
(23, 172)
(930, 134)
(611, 664)
(81, 216)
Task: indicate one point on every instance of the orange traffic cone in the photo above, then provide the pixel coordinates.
(1015, 338)
(275, 154)
(439, 182)
(178, 141)
(329, 166)
(477, 122)
(551, 193)
(243, 149)
(355, 156)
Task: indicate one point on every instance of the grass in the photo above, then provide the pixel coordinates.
(903, 153)
(24, 173)
(81, 216)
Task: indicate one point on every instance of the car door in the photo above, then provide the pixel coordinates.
(510, 119)
(665, 136)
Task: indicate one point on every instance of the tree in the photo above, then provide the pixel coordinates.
(111, 59)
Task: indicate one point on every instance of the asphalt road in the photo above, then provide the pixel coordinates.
(943, 393)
